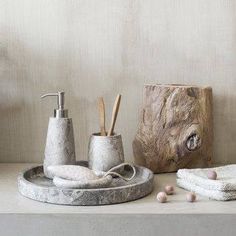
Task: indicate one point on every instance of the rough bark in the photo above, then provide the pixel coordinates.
(175, 129)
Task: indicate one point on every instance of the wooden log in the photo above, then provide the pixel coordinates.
(175, 129)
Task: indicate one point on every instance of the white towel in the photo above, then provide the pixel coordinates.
(224, 188)
(213, 194)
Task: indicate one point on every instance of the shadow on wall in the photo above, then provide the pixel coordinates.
(11, 98)
(12, 101)
(22, 82)
(17, 92)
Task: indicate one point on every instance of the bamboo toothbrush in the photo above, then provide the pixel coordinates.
(102, 117)
(114, 114)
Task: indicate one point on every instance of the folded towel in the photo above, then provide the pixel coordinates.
(213, 194)
(226, 178)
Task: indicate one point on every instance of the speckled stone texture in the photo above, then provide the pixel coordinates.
(105, 152)
(60, 147)
(33, 184)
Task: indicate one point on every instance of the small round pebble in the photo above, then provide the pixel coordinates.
(161, 197)
(212, 175)
(191, 197)
(169, 189)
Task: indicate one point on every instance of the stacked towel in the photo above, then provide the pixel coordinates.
(196, 180)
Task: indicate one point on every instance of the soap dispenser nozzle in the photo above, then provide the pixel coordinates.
(60, 112)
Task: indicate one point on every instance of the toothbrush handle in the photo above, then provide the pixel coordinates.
(102, 118)
(114, 114)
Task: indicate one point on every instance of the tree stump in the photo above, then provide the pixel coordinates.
(175, 129)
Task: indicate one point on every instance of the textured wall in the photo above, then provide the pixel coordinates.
(93, 48)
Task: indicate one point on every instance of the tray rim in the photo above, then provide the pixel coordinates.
(85, 197)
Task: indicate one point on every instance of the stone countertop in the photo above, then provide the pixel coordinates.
(14, 202)
(22, 216)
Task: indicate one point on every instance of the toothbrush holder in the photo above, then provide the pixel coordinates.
(105, 152)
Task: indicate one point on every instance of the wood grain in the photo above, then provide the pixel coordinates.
(175, 129)
(114, 115)
(102, 116)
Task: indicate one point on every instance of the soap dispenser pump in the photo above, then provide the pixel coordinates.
(60, 147)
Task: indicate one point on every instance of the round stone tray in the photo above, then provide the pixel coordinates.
(33, 184)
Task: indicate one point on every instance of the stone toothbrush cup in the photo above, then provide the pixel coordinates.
(105, 152)
(105, 148)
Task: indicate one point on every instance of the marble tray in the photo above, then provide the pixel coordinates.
(33, 184)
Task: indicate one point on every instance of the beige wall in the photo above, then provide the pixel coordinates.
(93, 48)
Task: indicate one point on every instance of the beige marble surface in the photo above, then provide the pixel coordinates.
(13, 202)
(92, 48)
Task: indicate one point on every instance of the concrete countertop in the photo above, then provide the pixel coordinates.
(137, 217)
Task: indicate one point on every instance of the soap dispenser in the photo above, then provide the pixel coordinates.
(60, 147)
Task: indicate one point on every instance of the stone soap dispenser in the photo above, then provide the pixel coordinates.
(60, 147)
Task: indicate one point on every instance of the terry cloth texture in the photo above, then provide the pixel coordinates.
(196, 180)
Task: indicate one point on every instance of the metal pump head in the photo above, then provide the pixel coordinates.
(60, 112)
